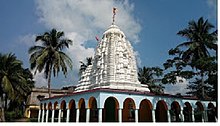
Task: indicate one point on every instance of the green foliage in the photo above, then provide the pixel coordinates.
(83, 65)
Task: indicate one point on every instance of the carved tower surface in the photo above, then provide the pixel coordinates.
(113, 65)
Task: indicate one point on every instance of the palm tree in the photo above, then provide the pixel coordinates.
(200, 40)
(15, 82)
(83, 65)
(147, 76)
(49, 56)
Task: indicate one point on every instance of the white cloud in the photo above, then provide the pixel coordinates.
(27, 40)
(179, 87)
(39, 79)
(82, 20)
(138, 59)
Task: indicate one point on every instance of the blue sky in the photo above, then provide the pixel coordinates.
(150, 25)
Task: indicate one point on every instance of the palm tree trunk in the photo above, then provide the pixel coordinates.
(2, 110)
(49, 80)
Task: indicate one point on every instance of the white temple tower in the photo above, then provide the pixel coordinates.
(113, 66)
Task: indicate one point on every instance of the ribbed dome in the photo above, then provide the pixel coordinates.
(114, 29)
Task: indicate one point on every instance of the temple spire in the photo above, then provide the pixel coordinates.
(114, 13)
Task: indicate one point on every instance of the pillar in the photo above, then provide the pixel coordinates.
(168, 116)
(153, 115)
(67, 115)
(87, 114)
(182, 115)
(193, 119)
(52, 118)
(47, 114)
(77, 115)
(39, 113)
(120, 115)
(59, 115)
(100, 114)
(42, 117)
(136, 115)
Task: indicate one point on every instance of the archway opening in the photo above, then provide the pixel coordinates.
(128, 111)
(56, 111)
(110, 111)
(93, 110)
(187, 112)
(45, 111)
(63, 111)
(82, 110)
(175, 112)
(50, 111)
(41, 108)
(211, 113)
(198, 112)
(72, 107)
(161, 111)
(145, 111)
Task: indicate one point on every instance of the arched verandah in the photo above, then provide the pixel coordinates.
(175, 112)
(63, 111)
(198, 112)
(56, 111)
(72, 107)
(82, 110)
(110, 111)
(145, 111)
(187, 112)
(93, 110)
(161, 111)
(211, 112)
(128, 111)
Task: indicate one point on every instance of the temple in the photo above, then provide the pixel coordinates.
(109, 91)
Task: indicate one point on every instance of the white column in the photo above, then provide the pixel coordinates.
(39, 113)
(52, 118)
(136, 115)
(67, 115)
(193, 119)
(47, 114)
(100, 114)
(120, 115)
(153, 116)
(59, 115)
(87, 114)
(182, 115)
(77, 115)
(168, 116)
(42, 120)
(203, 116)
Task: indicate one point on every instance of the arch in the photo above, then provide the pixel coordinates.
(72, 107)
(56, 111)
(63, 111)
(41, 108)
(45, 111)
(175, 112)
(161, 111)
(110, 111)
(128, 111)
(187, 112)
(49, 106)
(211, 113)
(82, 110)
(50, 111)
(93, 110)
(198, 112)
(145, 111)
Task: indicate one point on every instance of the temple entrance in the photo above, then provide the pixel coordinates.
(145, 111)
(175, 112)
(63, 111)
(198, 112)
(72, 108)
(93, 110)
(110, 111)
(128, 111)
(82, 110)
(161, 112)
(187, 112)
(211, 113)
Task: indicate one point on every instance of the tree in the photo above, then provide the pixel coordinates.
(194, 53)
(83, 65)
(16, 82)
(49, 56)
(149, 76)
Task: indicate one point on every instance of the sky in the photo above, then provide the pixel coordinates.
(150, 26)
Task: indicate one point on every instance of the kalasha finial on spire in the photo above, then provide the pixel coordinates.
(114, 13)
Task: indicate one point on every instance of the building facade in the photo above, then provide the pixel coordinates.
(109, 91)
